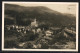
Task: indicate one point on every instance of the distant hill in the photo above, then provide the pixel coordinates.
(20, 15)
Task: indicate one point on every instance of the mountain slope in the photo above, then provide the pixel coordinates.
(21, 15)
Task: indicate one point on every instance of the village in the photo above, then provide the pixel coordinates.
(33, 27)
(44, 36)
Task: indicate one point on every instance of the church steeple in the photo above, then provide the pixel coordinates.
(35, 20)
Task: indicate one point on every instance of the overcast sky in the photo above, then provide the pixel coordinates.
(60, 7)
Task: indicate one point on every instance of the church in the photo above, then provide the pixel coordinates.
(34, 23)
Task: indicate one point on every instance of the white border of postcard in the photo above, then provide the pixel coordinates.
(77, 10)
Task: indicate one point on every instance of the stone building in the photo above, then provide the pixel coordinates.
(34, 23)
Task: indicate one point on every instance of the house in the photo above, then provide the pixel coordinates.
(38, 30)
(28, 28)
(21, 27)
(48, 33)
(55, 30)
(25, 32)
(37, 46)
(13, 26)
(47, 37)
(18, 30)
(8, 28)
(34, 31)
(16, 27)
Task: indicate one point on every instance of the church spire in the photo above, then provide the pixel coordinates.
(35, 20)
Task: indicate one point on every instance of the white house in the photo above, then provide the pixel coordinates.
(38, 30)
(48, 33)
(16, 27)
(34, 31)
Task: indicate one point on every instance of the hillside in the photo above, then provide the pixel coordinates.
(20, 15)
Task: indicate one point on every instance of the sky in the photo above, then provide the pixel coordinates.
(60, 7)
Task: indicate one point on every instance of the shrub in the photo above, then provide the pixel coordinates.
(28, 37)
(10, 44)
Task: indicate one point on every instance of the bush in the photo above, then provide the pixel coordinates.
(58, 38)
(28, 37)
(11, 33)
(28, 45)
(10, 44)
